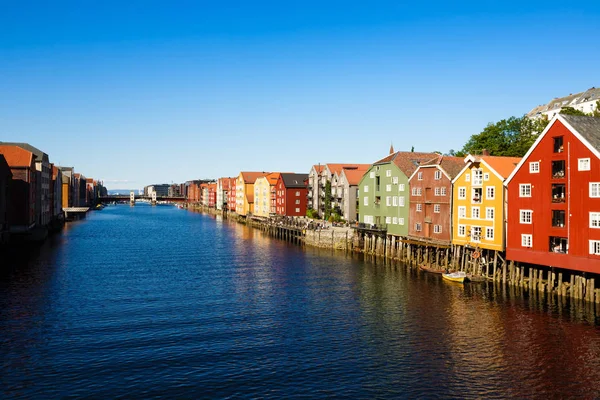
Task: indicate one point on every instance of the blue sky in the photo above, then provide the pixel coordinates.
(141, 92)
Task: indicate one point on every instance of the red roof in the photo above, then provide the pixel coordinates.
(251, 177)
(504, 166)
(337, 168)
(16, 157)
(353, 176)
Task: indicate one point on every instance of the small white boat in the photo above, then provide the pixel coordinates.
(458, 276)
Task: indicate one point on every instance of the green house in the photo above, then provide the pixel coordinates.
(384, 191)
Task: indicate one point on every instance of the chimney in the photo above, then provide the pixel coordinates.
(485, 152)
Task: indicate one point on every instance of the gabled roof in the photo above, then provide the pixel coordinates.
(272, 178)
(451, 166)
(408, 161)
(337, 168)
(16, 156)
(318, 168)
(41, 156)
(251, 177)
(586, 129)
(291, 180)
(4, 168)
(353, 176)
(504, 166)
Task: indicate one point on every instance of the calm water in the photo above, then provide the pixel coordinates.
(143, 302)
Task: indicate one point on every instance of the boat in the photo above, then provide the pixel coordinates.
(432, 270)
(458, 276)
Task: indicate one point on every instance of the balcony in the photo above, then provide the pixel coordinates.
(372, 227)
(558, 169)
(559, 245)
(558, 192)
(477, 195)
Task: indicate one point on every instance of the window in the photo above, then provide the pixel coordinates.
(534, 167)
(400, 221)
(438, 191)
(388, 187)
(467, 177)
(443, 192)
(388, 220)
(394, 180)
(490, 192)
(372, 174)
(388, 201)
(462, 230)
(366, 201)
(388, 173)
(526, 216)
(462, 212)
(298, 201)
(477, 177)
(437, 208)
(558, 218)
(438, 175)
(476, 233)
(419, 207)
(418, 227)
(525, 190)
(368, 219)
(400, 187)
(475, 212)
(477, 195)
(395, 220)
(437, 229)
(366, 189)
(297, 210)
(420, 176)
(595, 220)
(395, 201)
(594, 189)
(526, 240)
(414, 191)
(489, 233)
(401, 201)
(558, 169)
(558, 144)
(489, 213)
(462, 193)
(595, 247)
(583, 164)
(297, 193)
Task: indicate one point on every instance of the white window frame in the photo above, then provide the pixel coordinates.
(583, 164)
(525, 190)
(473, 209)
(401, 201)
(418, 227)
(437, 175)
(438, 191)
(443, 191)
(366, 189)
(595, 247)
(476, 238)
(388, 220)
(534, 167)
(594, 220)
(395, 220)
(489, 229)
(486, 177)
(366, 201)
(400, 221)
(437, 208)
(388, 201)
(523, 216)
(419, 207)
(487, 192)
(487, 212)
(462, 193)
(526, 240)
(394, 179)
(462, 212)
(401, 187)
(462, 230)
(437, 229)
(477, 177)
(594, 187)
(388, 173)
(395, 201)
(388, 187)
(372, 174)
(420, 176)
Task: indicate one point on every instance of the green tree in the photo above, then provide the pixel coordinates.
(596, 112)
(508, 137)
(572, 111)
(412, 149)
(327, 200)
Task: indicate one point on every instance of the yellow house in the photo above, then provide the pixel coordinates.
(264, 194)
(244, 192)
(478, 202)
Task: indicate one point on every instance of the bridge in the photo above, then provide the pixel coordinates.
(133, 197)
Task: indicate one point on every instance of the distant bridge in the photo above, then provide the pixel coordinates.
(127, 198)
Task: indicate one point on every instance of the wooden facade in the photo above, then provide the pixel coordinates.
(430, 207)
(554, 198)
(291, 194)
(22, 210)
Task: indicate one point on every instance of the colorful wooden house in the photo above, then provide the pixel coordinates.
(244, 192)
(430, 207)
(384, 192)
(291, 195)
(478, 199)
(22, 203)
(232, 195)
(554, 198)
(264, 189)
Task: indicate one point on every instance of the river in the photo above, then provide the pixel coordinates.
(148, 302)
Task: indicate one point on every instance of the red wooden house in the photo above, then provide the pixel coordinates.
(21, 211)
(231, 195)
(212, 195)
(291, 194)
(432, 211)
(554, 198)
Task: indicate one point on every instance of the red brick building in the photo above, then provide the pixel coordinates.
(291, 194)
(433, 209)
(554, 198)
(21, 212)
